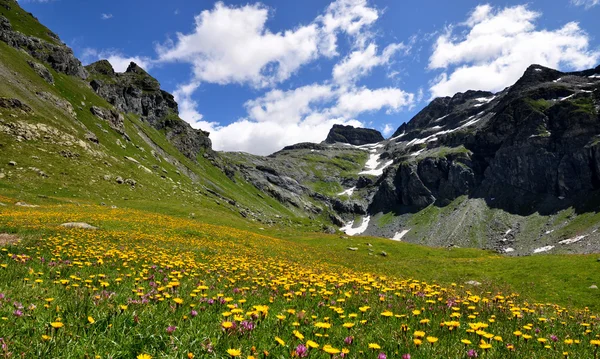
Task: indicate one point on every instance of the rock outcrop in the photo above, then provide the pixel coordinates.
(57, 55)
(536, 141)
(136, 92)
(353, 135)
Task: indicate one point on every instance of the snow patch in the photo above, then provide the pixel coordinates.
(596, 76)
(537, 70)
(347, 192)
(548, 232)
(484, 100)
(543, 249)
(441, 118)
(508, 250)
(358, 230)
(572, 240)
(372, 162)
(558, 79)
(397, 137)
(398, 236)
(415, 154)
(378, 171)
(566, 98)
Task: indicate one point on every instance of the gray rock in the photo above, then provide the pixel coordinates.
(119, 180)
(593, 286)
(130, 182)
(115, 120)
(23, 204)
(352, 248)
(42, 71)
(57, 102)
(12, 163)
(79, 225)
(56, 54)
(353, 136)
(132, 160)
(13, 103)
(473, 283)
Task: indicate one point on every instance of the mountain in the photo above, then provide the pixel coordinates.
(517, 171)
(353, 136)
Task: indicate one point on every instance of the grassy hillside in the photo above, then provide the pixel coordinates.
(168, 287)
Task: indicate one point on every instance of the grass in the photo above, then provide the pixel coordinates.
(540, 105)
(170, 287)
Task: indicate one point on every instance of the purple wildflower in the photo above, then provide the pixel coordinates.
(472, 353)
(301, 351)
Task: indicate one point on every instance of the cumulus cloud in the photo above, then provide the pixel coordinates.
(360, 62)
(106, 16)
(352, 17)
(495, 46)
(232, 45)
(388, 129)
(362, 100)
(585, 3)
(307, 113)
(118, 61)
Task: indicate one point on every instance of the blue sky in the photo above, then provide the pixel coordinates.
(262, 75)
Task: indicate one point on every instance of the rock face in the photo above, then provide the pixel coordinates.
(114, 119)
(535, 141)
(353, 136)
(42, 71)
(57, 55)
(136, 92)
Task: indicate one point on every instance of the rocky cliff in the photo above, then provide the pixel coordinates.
(136, 92)
(353, 135)
(45, 47)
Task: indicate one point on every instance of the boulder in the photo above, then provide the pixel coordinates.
(42, 71)
(79, 225)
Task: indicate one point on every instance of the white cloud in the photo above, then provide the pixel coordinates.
(362, 100)
(388, 129)
(232, 45)
(289, 106)
(118, 61)
(360, 62)
(346, 16)
(281, 118)
(106, 16)
(499, 45)
(586, 3)
(188, 108)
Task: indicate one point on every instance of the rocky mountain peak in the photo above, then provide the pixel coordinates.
(103, 67)
(137, 92)
(353, 135)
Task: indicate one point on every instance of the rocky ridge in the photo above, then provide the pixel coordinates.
(136, 92)
(54, 52)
